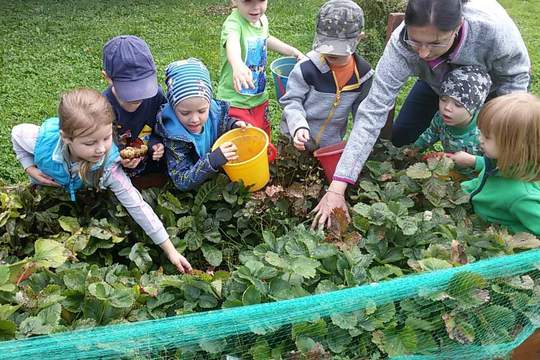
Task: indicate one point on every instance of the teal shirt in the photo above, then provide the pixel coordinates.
(512, 203)
(453, 138)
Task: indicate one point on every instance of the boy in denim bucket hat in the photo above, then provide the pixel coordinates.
(327, 86)
(190, 124)
(136, 98)
(463, 92)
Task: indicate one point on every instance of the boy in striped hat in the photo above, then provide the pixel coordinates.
(190, 124)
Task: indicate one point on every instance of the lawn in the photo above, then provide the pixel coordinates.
(50, 47)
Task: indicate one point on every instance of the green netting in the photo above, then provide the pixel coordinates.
(487, 308)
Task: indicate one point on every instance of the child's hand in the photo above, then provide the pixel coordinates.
(463, 159)
(242, 78)
(158, 151)
(411, 152)
(228, 149)
(40, 177)
(298, 54)
(175, 258)
(241, 124)
(300, 138)
(131, 163)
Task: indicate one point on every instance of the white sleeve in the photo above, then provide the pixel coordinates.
(120, 184)
(23, 137)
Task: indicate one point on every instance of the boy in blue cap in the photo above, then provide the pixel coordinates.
(190, 124)
(136, 98)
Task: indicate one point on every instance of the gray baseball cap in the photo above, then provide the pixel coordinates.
(128, 62)
(469, 84)
(339, 23)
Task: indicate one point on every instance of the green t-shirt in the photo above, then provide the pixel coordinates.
(253, 45)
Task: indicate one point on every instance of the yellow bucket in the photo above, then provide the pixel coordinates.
(252, 164)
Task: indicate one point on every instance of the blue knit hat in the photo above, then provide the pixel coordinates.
(187, 78)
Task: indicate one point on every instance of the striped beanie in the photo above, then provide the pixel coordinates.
(187, 78)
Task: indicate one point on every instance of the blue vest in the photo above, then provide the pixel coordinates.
(47, 142)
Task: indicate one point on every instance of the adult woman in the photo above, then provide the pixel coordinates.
(437, 35)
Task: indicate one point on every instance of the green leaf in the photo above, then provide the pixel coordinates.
(140, 255)
(418, 171)
(51, 315)
(184, 223)
(251, 296)
(223, 215)
(213, 346)
(275, 260)
(122, 298)
(304, 343)
(212, 255)
(379, 273)
(458, 329)
(398, 342)
(100, 290)
(305, 267)
(314, 329)
(7, 329)
(193, 240)
(523, 241)
(461, 284)
(261, 350)
(69, 224)
(431, 264)
(49, 253)
(208, 302)
(171, 202)
(75, 280)
(408, 225)
(345, 321)
(4, 274)
(7, 310)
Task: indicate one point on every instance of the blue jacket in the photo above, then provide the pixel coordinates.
(186, 168)
(49, 159)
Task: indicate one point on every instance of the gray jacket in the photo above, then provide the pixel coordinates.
(311, 92)
(490, 40)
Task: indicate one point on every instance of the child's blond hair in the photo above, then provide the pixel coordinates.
(81, 112)
(513, 121)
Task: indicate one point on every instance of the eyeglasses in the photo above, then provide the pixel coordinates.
(418, 45)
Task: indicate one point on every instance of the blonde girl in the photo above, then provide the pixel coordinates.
(506, 192)
(76, 149)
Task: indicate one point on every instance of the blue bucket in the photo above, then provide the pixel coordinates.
(281, 68)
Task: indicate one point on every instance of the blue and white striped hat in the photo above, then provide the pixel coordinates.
(187, 78)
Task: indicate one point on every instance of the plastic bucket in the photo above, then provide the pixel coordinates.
(328, 157)
(252, 164)
(281, 68)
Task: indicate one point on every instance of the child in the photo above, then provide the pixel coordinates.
(507, 192)
(136, 98)
(325, 88)
(76, 150)
(244, 39)
(191, 122)
(463, 93)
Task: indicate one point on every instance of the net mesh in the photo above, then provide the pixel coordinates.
(481, 310)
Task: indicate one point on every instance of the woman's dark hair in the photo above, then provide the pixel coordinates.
(445, 15)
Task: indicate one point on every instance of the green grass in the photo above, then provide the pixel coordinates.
(52, 46)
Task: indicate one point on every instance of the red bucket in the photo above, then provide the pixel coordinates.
(329, 156)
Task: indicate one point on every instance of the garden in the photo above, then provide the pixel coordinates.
(414, 275)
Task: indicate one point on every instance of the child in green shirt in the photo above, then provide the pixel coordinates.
(507, 192)
(244, 42)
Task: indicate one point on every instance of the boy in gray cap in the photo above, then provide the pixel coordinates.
(324, 88)
(463, 93)
(136, 98)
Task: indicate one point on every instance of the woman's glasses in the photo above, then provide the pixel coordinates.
(438, 45)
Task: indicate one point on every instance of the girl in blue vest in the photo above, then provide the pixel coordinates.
(76, 149)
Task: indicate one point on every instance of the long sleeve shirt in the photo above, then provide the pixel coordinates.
(24, 137)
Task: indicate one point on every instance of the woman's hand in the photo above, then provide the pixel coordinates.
(40, 177)
(228, 149)
(333, 199)
(175, 258)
